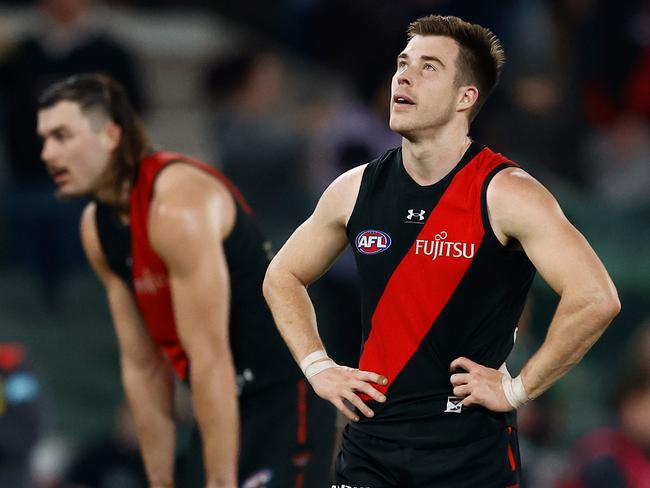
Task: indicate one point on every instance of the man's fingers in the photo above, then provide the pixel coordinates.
(468, 401)
(462, 363)
(363, 387)
(357, 402)
(459, 379)
(462, 390)
(372, 377)
(338, 403)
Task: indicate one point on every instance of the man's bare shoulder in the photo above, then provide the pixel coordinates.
(514, 187)
(348, 181)
(190, 208)
(181, 182)
(340, 196)
(184, 191)
(516, 201)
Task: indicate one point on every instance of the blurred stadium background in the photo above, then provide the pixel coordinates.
(283, 95)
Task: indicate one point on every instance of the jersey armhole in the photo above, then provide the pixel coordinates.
(102, 228)
(160, 171)
(485, 216)
(361, 197)
(101, 222)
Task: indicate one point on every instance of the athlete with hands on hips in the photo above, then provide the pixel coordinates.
(447, 236)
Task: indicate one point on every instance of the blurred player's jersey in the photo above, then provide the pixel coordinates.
(436, 284)
(261, 357)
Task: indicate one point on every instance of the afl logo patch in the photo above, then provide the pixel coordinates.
(372, 241)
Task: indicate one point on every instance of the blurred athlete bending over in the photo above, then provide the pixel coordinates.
(182, 261)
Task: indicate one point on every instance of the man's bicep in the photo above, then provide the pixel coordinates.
(201, 298)
(312, 249)
(560, 253)
(526, 212)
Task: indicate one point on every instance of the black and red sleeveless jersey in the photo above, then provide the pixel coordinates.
(259, 354)
(436, 284)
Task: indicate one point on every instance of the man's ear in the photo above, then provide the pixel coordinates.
(468, 96)
(111, 135)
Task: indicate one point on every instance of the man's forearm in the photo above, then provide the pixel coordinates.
(150, 395)
(293, 313)
(576, 326)
(214, 396)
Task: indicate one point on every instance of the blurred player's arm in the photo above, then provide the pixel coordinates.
(146, 375)
(305, 257)
(190, 216)
(523, 212)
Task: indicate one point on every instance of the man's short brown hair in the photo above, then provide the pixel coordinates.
(480, 57)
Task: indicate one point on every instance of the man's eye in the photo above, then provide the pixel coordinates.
(429, 66)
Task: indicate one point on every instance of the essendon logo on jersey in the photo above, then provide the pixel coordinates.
(372, 242)
(149, 283)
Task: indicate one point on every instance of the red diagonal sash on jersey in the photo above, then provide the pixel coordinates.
(421, 286)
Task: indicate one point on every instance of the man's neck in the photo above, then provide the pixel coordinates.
(109, 197)
(429, 159)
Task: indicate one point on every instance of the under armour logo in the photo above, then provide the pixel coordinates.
(412, 213)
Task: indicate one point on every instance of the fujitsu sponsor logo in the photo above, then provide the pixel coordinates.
(440, 247)
(149, 283)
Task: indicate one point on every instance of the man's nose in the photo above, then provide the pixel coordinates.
(47, 151)
(404, 77)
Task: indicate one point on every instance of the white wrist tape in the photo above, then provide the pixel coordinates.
(514, 390)
(317, 367)
(504, 369)
(316, 362)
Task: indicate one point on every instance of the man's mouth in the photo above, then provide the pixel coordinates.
(59, 175)
(403, 100)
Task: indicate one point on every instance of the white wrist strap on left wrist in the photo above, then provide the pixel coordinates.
(513, 389)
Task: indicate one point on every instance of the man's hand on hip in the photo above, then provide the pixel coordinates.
(479, 385)
(340, 383)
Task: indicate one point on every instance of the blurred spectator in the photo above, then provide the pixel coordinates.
(533, 119)
(619, 161)
(540, 425)
(533, 125)
(65, 38)
(619, 457)
(21, 416)
(114, 462)
(640, 347)
(609, 61)
(355, 133)
(259, 146)
(614, 57)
